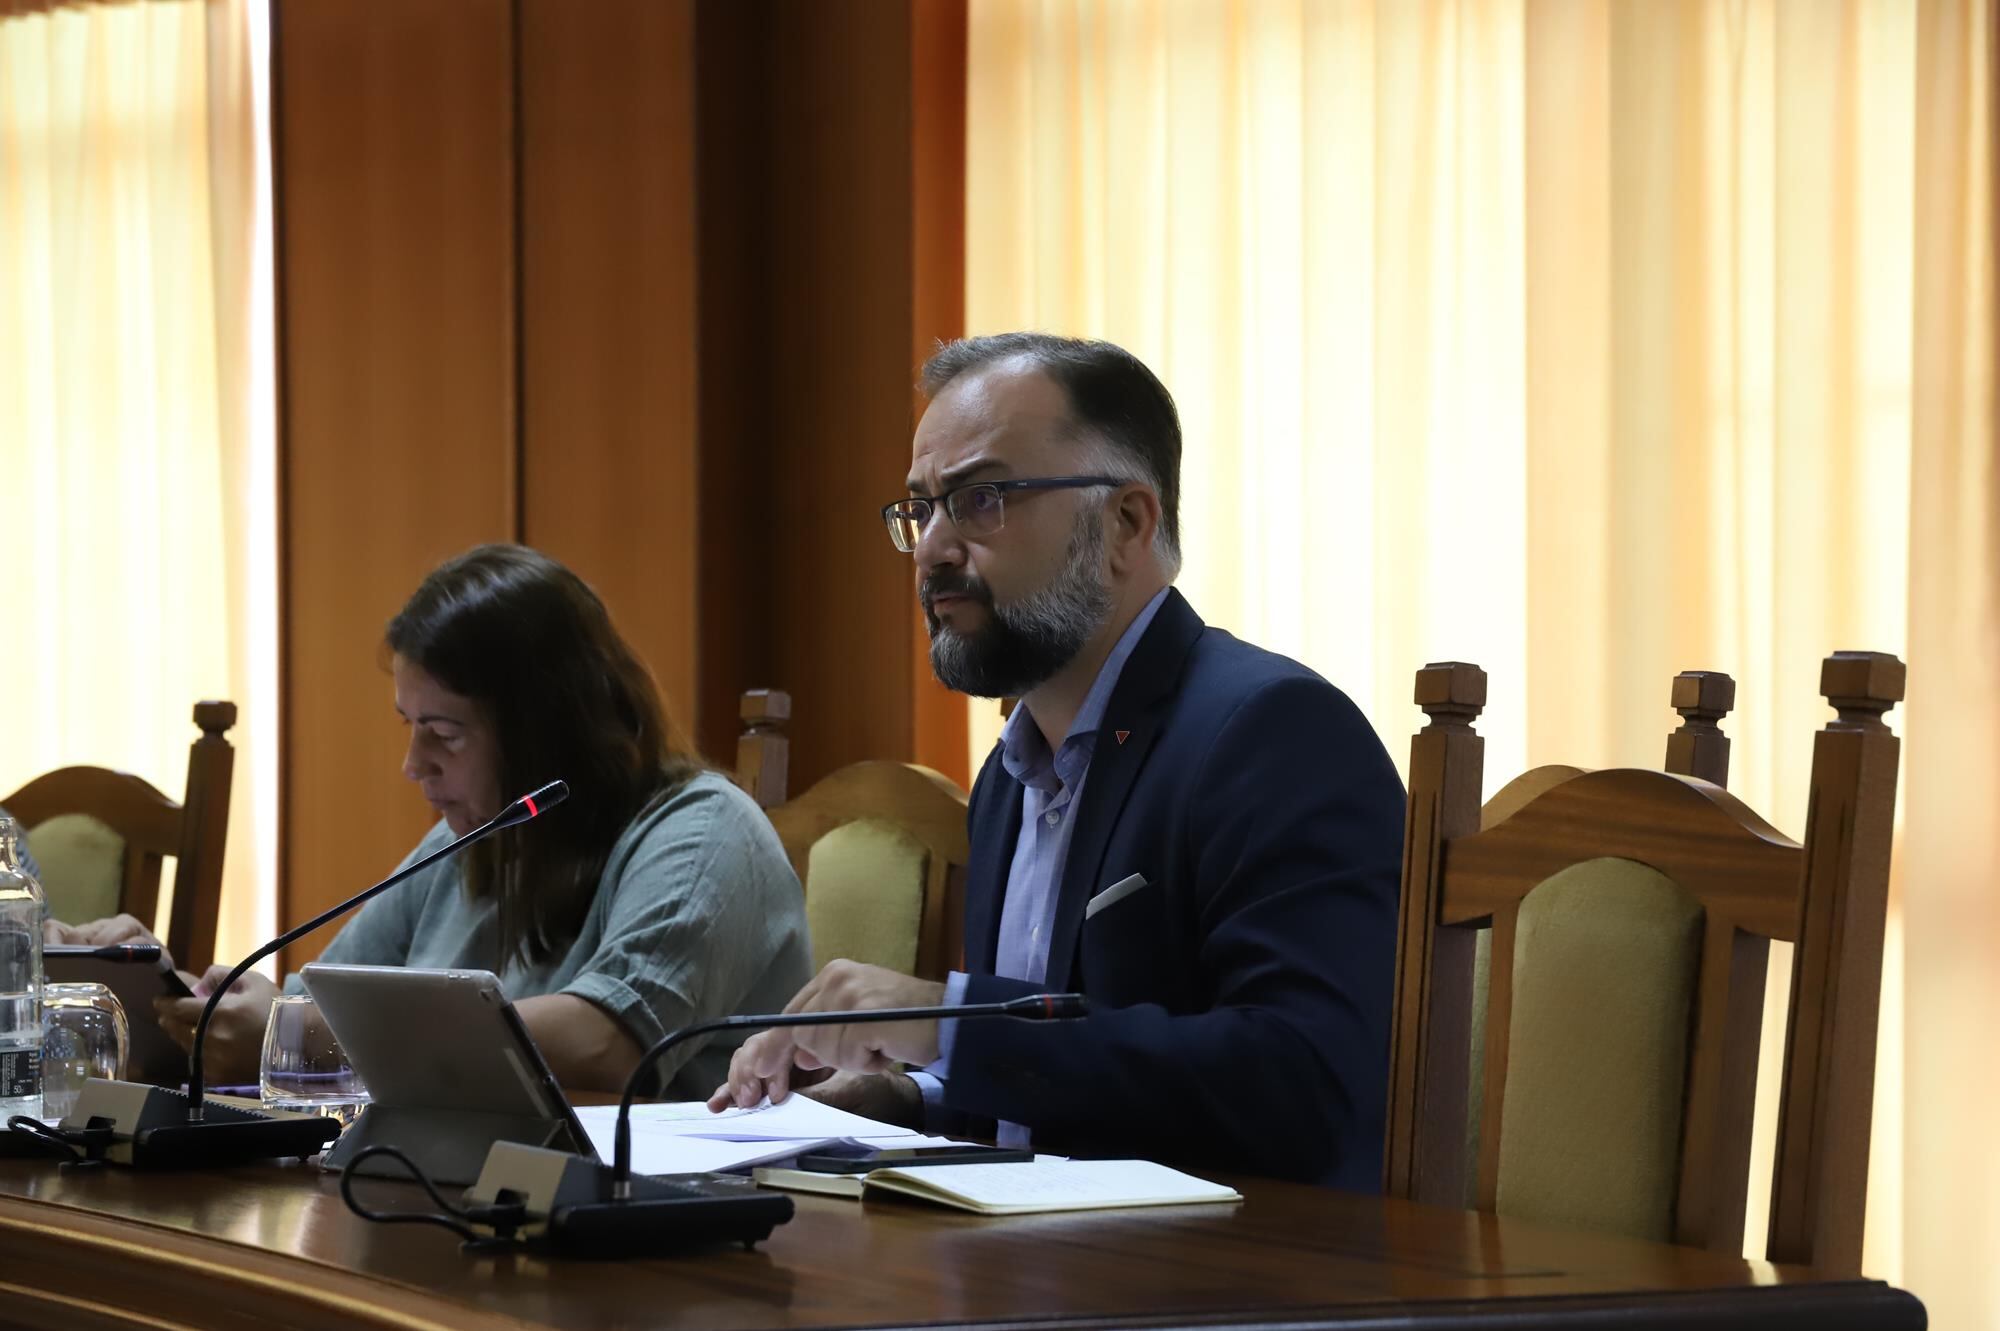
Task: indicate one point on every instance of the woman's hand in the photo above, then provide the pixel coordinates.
(235, 1044)
(98, 933)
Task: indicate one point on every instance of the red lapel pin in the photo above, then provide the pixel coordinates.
(1122, 735)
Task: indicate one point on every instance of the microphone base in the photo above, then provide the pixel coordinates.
(571, 1212)
(150, 1129)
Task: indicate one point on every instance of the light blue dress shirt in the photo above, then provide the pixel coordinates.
(1051, 791)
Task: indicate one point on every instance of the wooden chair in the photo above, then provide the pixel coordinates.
(881, 848)
(1630, 914)
(764, 750)
(91, 823)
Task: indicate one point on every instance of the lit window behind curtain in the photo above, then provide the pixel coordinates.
(136, 495)
(1576, 338)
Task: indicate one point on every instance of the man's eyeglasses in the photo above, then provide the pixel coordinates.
(978, 509)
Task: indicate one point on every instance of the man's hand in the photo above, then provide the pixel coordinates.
(235, 1044)
(765, 1064)
(873, 1047)
(97, 933)
(761, 1069)
(890, 1097)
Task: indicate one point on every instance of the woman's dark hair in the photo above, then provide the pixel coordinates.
(515, 631)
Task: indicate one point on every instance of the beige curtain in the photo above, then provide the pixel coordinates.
(1951, 839)
(1583, 339)
(128, 198)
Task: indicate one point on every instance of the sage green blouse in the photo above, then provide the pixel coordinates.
(698, 915)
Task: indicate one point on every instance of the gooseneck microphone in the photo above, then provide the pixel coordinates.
(583, 1208)
(520, 811)
(153, 1127)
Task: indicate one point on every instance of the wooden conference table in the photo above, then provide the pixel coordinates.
(272, 1246)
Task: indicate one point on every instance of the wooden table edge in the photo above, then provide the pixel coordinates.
(132, 1273)
(82, 1268)
(1857, 1305)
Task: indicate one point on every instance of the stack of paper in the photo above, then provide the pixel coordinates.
(686, 1138)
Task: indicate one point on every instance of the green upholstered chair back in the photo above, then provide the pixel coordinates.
(1605, 958)
(103, 837)
(881, 849)
(865, 895)
(83, 865)
(1598, 890)
(1612, 1025)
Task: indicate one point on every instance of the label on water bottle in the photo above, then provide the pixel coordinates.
(20, 1073)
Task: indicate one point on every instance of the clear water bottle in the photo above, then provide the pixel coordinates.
(20, 980)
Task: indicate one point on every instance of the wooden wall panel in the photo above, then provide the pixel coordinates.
(938, 40)
(608, 356)
(810, 130)
(395, 261)
(644, 283)
(841, 271)
(739, 559)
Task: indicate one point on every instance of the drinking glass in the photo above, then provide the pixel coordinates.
(304, 1070)
(84, 1035)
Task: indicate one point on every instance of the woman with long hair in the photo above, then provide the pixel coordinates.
(656, 896)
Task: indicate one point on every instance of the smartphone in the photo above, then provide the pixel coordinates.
(861, 1160)
(104, 952)
(107, 965)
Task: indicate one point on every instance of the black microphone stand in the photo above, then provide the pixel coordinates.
(153, 1127)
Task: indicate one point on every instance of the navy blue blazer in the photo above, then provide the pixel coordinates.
(1240, 1001)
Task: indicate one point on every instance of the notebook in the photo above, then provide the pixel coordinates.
(1018, 1188)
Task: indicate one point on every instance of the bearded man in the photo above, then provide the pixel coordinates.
(1201, 836)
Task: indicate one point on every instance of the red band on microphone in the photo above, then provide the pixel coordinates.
(529, 800)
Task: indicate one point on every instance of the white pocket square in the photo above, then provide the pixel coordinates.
(1114, 894)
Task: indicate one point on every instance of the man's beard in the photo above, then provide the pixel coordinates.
(1026, 642)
